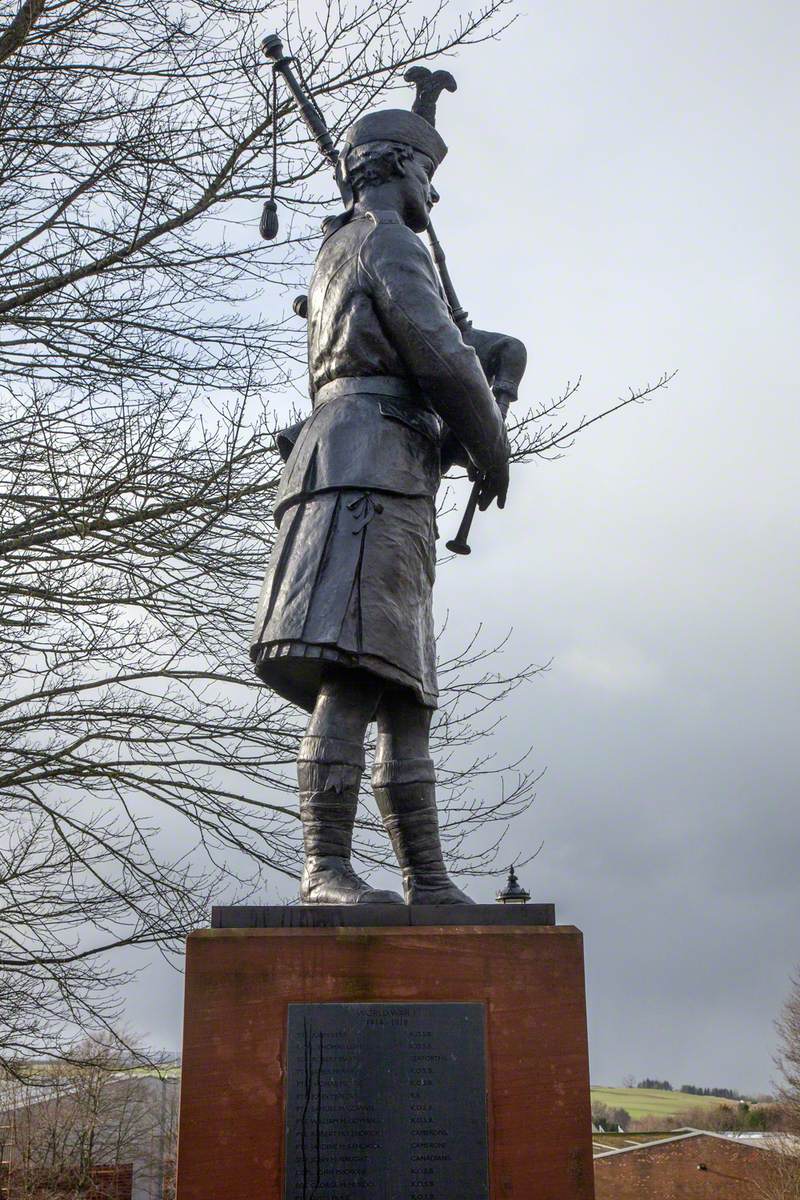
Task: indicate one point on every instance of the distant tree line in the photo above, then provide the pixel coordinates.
(691, 1089)
(723, 1093)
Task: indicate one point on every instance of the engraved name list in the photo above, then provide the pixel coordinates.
(386, 1102)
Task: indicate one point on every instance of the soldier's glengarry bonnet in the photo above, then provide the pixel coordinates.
(395, 125)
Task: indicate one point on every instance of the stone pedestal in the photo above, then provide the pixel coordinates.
(400, 1058)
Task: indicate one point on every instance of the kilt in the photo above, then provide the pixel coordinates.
(350, 582)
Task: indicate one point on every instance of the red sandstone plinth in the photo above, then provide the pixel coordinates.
(239, 983)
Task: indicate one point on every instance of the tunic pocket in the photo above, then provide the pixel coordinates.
(426, 423)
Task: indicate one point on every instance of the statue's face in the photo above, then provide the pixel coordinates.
(418, 193)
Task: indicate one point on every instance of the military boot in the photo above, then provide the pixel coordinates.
(328, 773)
(406, 794)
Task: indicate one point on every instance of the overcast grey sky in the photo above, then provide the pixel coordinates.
(622, 193)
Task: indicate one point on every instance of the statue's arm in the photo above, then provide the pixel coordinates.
(504, 359)
(399, 275)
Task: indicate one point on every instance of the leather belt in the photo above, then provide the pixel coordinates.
(370, 385)
(397, 399)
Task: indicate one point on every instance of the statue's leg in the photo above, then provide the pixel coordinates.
(329, 768)
(404, 783)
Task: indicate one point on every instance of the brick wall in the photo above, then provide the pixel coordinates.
(671, 1171)
(112, 1183)
(106, 1183)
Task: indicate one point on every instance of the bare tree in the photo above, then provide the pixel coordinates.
(82, 1124)
(780, 1179)
(142, 331)
(787, 1059)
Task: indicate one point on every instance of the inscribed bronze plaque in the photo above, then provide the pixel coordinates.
(386, 1102)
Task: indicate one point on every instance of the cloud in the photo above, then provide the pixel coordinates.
(614, 667)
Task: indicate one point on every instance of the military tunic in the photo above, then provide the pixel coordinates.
(351, 573)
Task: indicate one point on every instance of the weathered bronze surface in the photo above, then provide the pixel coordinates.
(402, 388)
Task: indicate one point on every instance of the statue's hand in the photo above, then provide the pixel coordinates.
(494, 486)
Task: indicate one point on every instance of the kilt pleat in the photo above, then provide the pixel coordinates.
(349, 581)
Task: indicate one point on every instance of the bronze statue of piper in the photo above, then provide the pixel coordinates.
(344, 626)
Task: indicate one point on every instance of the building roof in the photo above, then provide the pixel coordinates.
(626, 1141)
(606, 1145)
(42, 1093)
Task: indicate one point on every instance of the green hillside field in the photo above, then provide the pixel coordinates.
(645, 1102)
